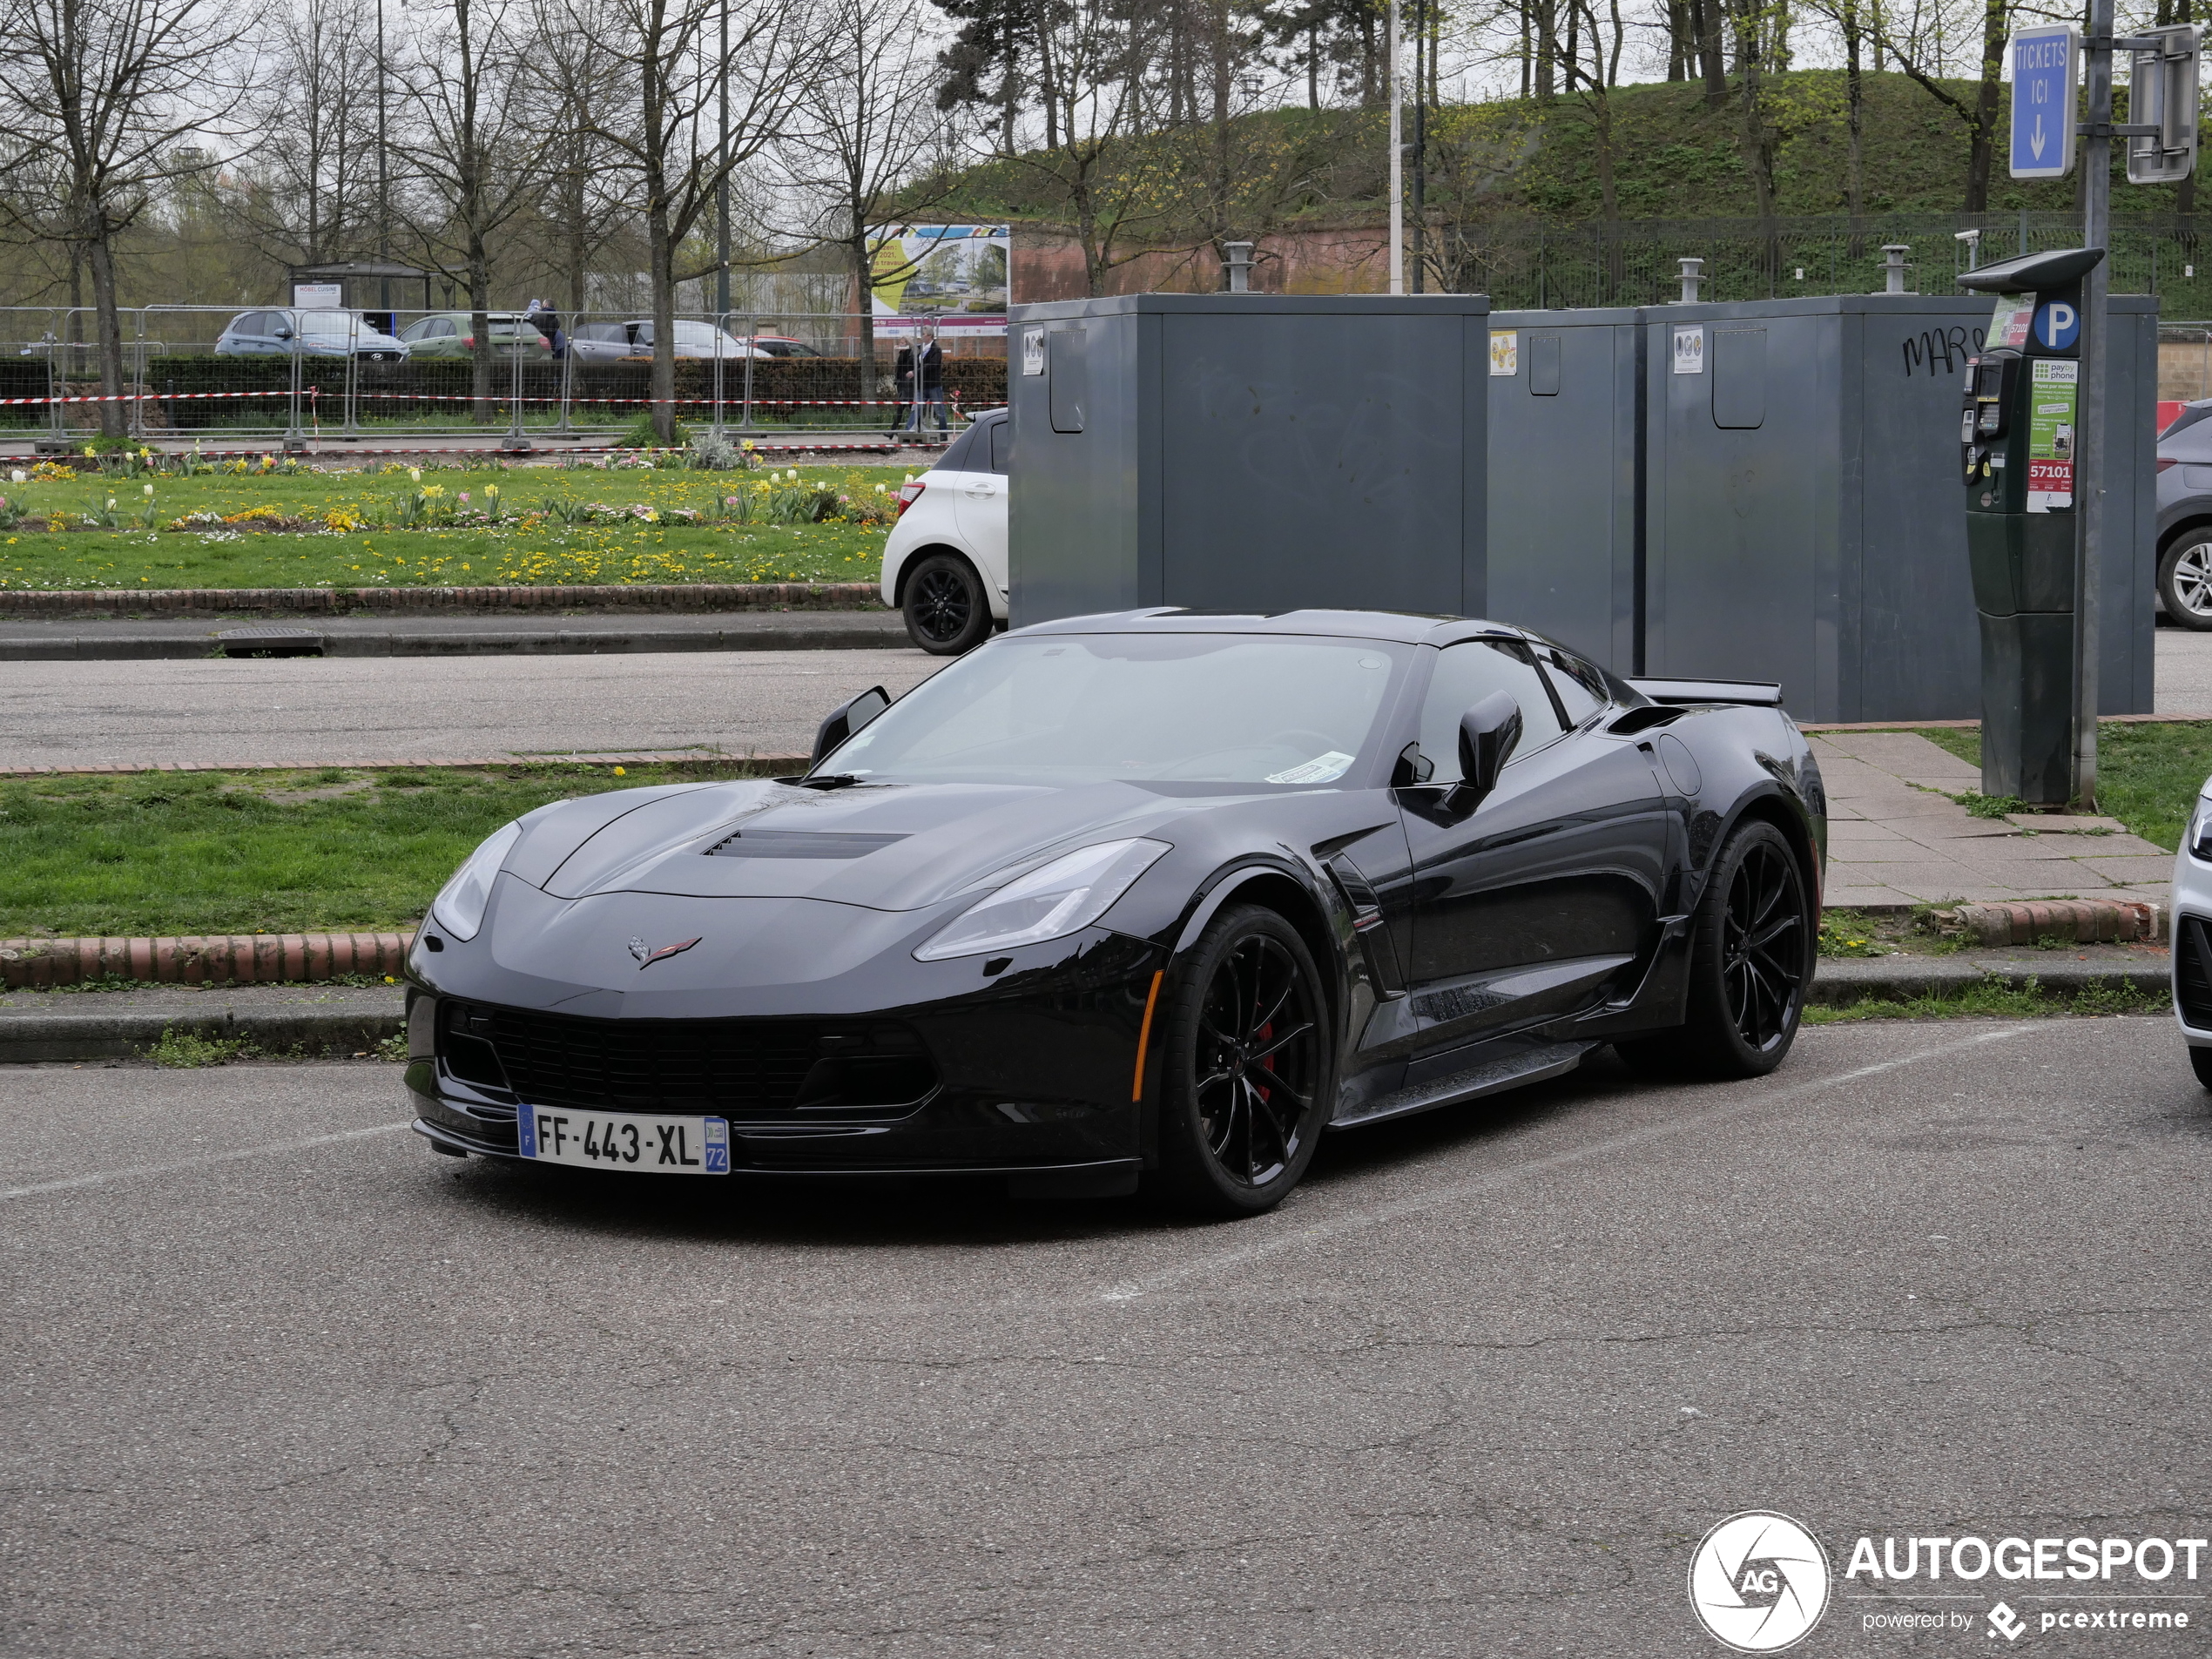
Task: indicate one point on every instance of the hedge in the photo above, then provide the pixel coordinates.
(804, 388)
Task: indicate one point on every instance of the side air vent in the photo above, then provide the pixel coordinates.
(800, 843)
(1643, 719)
(2193, 972)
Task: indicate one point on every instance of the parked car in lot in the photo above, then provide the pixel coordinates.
(944, 563)
(2185, 516)
(307, 333)
(784, 346)
(599, 344)
(1150, 899)
(452, 334)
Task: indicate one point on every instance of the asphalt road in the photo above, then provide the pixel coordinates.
(342, 711)
(2184, 671)
(279, 1381)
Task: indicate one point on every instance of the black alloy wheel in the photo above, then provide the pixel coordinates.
(2185, 582)
(1763, 946)
(1246, 1076)
(946, 608)
(1751, 957)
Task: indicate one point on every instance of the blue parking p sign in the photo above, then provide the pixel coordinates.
(2044, 62)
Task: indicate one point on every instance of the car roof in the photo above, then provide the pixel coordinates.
(1404, 627)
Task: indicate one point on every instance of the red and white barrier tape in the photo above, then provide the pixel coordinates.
(152, 397)
(697, 403)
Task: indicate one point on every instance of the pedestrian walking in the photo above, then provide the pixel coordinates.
(921, 370)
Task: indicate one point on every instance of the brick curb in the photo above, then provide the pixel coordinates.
(643, 757)
(659, 597)
(2079, 921)
(235, 959)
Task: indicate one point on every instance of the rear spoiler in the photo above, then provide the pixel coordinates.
(1682, 693)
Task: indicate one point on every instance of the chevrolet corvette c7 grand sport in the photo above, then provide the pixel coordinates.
(1151, 898)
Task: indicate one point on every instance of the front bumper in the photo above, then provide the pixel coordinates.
(1033, 1075)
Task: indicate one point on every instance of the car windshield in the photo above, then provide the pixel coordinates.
(1293, 711)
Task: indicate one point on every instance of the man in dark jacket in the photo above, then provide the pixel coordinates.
(929, 391)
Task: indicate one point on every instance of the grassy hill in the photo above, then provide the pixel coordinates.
(1675, 158)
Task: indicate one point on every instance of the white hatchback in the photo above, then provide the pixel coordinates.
(2190, 935)
(944, 566)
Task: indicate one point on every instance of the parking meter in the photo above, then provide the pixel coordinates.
(2017, 448)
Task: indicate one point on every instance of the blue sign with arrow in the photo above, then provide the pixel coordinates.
(2045, 61)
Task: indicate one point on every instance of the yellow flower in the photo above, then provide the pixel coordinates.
(622, 772)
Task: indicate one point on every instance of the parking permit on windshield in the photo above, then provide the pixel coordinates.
(1322, 769)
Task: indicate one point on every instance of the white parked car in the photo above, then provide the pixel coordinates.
(944, 567)
(2190, 920)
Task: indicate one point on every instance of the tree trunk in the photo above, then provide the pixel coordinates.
(1711, 59)
(1678, 46)
(479, 331)
(662, 264)
(107, 322)
(1992, 63)
(863, 321)
(1758, 140)
(1547, 48)
(1855, 109)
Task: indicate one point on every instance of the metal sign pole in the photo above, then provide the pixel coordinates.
(2089, 442)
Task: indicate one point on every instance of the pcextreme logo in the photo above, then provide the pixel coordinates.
(1759, 1581)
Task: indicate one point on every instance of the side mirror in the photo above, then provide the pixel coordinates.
(1488, 733)
(847, 717)
(284, 333)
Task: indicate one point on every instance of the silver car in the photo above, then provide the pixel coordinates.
(308, 333)
(601, 344)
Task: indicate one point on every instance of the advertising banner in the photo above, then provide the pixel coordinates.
(954, 276)
(2052, 385)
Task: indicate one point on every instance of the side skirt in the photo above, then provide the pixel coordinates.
(1490, 1076)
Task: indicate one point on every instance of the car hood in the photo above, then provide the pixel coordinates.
(882, 846)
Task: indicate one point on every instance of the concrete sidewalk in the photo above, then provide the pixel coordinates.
(79, 639)
(1896, 838)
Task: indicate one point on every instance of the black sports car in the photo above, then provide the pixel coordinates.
(1155, 897)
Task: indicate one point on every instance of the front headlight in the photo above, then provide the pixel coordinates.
(1055, 899)
(459, 908)
(2200, 836)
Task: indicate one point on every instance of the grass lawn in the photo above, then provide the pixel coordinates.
(229, 852)
(356, 536)
(2148, 775)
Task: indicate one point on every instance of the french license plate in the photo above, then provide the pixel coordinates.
(630, 1141)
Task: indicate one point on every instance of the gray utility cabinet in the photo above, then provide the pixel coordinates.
(1804, 519)
(1248, 452)
(1565, 482)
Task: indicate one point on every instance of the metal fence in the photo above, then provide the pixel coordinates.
(218, 372)
(1529, 264)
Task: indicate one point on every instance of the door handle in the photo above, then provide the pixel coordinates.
(981, 492)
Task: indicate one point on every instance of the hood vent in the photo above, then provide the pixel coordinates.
(800, 843)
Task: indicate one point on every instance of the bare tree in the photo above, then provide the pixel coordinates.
(312, 173)
(584, 204)
(672, 59)
(868, 122)
(472, 148)
(102, 92)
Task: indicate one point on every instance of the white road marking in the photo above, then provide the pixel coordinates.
(1221, 1261)
(95, 1179)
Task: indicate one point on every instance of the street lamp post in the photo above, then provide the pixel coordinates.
(1397, 168)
